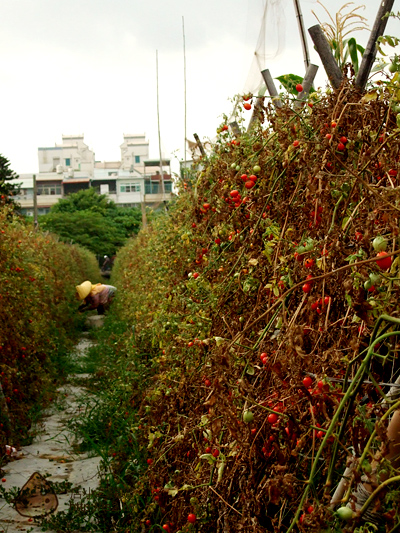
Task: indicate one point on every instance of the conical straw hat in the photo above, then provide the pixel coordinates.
(84, 289)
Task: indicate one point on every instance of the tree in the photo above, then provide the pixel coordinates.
(7, 188)
(92, 230)
(93, 221)
(85, 200)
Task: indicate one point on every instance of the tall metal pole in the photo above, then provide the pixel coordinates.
(35, 208)
(159, 135)
(303, 35)
(184, 91)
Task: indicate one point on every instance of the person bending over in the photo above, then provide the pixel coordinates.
(96, 296)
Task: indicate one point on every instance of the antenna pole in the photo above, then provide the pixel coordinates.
(159, 135)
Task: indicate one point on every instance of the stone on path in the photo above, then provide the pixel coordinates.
(51, 453)
(95, 321)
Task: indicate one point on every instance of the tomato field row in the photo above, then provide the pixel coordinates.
(257, 301)
(39, 323)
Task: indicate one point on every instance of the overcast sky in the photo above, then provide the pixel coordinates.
(89, 66)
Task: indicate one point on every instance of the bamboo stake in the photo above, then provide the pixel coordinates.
(184, 87)
(35, 206)
(159, 135)
(269, 82)
(256, 112)
(302, 32)
(235, 128)
(325, 53)
(307, 84)
(199, 144)
(368, 57)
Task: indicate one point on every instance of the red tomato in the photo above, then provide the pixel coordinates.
(272, 418)
(306, 288)
(247, 106)
(384, 262)
(299, 88)
(309, 263)
(307, 381)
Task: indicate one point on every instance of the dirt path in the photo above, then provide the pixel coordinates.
(52, 454)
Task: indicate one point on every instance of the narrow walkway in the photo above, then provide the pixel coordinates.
(52, 455)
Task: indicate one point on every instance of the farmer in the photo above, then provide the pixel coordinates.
(97, 296)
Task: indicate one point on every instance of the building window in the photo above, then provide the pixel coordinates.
(68, 162)
(154, 187)
(48, 189)
(137, 158)
(168, 186)
(129, 187)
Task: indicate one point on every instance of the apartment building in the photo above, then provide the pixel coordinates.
(71, 166)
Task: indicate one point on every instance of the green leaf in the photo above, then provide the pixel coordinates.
(352, 47)
(390, 41)
(208, 457)
(289, 82)
(250, 370)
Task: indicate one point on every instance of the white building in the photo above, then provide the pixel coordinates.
(69, 167)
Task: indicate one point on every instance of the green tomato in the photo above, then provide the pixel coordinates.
(367, 284)
(237, 168)
(256, 169)
(393, 68)
(344, 513)
(366, 466)
(379, 244)
(248, 417)
(233, 166)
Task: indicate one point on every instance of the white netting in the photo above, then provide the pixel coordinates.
(273, 24)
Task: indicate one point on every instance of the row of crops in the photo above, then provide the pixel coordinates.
(262, 315)
(38, 318)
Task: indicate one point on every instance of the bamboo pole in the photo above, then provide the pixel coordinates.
(269, 82)
(307, 84)
(35, 207)
(302, 32)
(325, 53)
(159, 135)
(368, 58)
(258, 106)
(199, 144)
(184, 88)
(235, 128)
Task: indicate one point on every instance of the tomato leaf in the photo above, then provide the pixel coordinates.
(289, 82)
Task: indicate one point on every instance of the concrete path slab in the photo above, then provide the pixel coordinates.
(52, 455)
